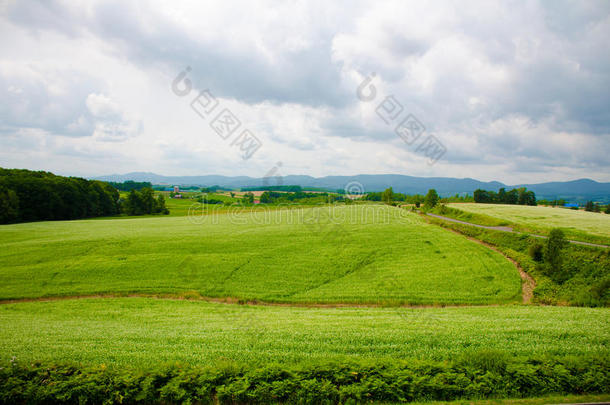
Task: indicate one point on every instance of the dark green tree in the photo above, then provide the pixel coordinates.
(589, 206)
(431, 199)
(386, 196)
(512, 197)
(502, 196)
(160, 207)
(536, 251)
(9, 206)
(553, 255)
(248, 198)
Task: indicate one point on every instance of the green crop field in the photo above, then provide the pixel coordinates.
(538, 217)
(332, 286)
(144, 331)
(360, 254)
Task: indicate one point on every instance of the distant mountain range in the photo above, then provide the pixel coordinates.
(575, 191)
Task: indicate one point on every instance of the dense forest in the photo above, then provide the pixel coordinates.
(130, 185)
(27, 195)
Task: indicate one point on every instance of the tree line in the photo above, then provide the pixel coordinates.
(130, 185)
(388, 196)
(519, 196)
(144, 202)
(37, 195)
(274, 197)
(27, 195)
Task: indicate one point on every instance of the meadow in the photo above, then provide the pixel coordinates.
(371, 254)
(575, 223)
(144, 332)
(296, 304)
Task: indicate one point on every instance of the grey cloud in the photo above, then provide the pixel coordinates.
(544, 62)
(307, 76)
(51, 100)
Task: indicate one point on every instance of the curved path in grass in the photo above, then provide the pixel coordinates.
(509, 229)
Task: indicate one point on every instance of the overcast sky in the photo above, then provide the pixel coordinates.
(513, 91)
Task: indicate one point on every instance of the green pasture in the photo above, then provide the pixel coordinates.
(370, 254)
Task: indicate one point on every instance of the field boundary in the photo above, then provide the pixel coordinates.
(528, 284)
(195, 297)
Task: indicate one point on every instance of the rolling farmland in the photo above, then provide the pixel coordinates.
(283, 303)
(360, 254)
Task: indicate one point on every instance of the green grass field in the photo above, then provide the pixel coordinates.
(573, 222)
(363, 254)
(153, 348)
(143, 332)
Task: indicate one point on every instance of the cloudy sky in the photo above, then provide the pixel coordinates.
(511, 91)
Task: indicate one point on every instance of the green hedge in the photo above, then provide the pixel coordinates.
(484, 375)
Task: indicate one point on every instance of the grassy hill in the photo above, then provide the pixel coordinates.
(359, 254)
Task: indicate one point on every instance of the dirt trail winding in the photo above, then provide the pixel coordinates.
(527, 282)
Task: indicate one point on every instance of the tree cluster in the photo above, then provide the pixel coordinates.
(144, 202)
(560, 202)
(130, 185)
(593, 207)
(273, 197)
(389, 195)
(36, 196)
(520, 196)
(291, 189)
(550, 256)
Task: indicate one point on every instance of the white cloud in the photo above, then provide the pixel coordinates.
(516, 92)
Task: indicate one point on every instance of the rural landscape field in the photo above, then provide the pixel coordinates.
(304, 202)
(258, 289)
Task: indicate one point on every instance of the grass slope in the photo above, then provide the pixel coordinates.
(362, 254)
(146, 332)
(574, 223)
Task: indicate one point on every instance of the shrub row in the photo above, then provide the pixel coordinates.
(485, 375)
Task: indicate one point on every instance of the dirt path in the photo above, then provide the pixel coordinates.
(236, 301)
(509, 229)
(527, 282)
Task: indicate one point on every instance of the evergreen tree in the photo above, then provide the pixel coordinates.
(431, 199)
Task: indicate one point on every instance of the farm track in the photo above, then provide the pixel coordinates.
(237, 301)
(527, 282)
(509, 229)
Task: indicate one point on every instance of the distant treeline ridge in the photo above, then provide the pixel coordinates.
(520, 196)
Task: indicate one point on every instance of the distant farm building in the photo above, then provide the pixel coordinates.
(176, 189)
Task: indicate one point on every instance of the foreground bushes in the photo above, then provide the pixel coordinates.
(483, 375)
